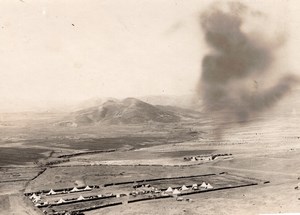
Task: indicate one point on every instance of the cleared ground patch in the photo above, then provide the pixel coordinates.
(12, 174)
(126, 192)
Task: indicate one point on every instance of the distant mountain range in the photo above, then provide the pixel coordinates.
(129, 111)
(183, 101)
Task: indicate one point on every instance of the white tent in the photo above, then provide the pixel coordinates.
(36, 199)
(87, 188)
(169, 190)
(184, 188)
(176, 192)
(75, 189)
(118, 195)
(60, 201)
(195, 186)
(51, 192)
(99, 195)
(33, 196)
(80, 198)
(209, 186)
(203, 185)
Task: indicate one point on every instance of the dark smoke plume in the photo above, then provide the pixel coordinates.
(236, 59)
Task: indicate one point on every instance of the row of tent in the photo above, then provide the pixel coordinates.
(176, 191)
(206, 186)
(88, 188)
(37, 199)
(185, 188)
(75, 189)
(60, 201)
(170, 190)
(62, 191)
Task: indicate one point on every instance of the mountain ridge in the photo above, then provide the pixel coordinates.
(126, 111)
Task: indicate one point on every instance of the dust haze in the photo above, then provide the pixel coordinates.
(100, 114)
(234, 84)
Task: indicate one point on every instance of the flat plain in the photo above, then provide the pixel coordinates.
(36, 155)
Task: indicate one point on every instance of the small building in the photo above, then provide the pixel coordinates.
(195, 187)
(33, 196)
(194, 159)
(36, 199)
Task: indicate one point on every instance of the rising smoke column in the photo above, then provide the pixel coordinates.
(236, 58)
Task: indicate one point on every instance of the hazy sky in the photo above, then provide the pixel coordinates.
(60, 51)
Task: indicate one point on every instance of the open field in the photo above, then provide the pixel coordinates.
(12, 174)
(10, 155)
(276, 163)
(39, 139)
(97, 196)
(267, 148)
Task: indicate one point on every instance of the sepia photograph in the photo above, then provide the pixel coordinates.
(149, 107)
